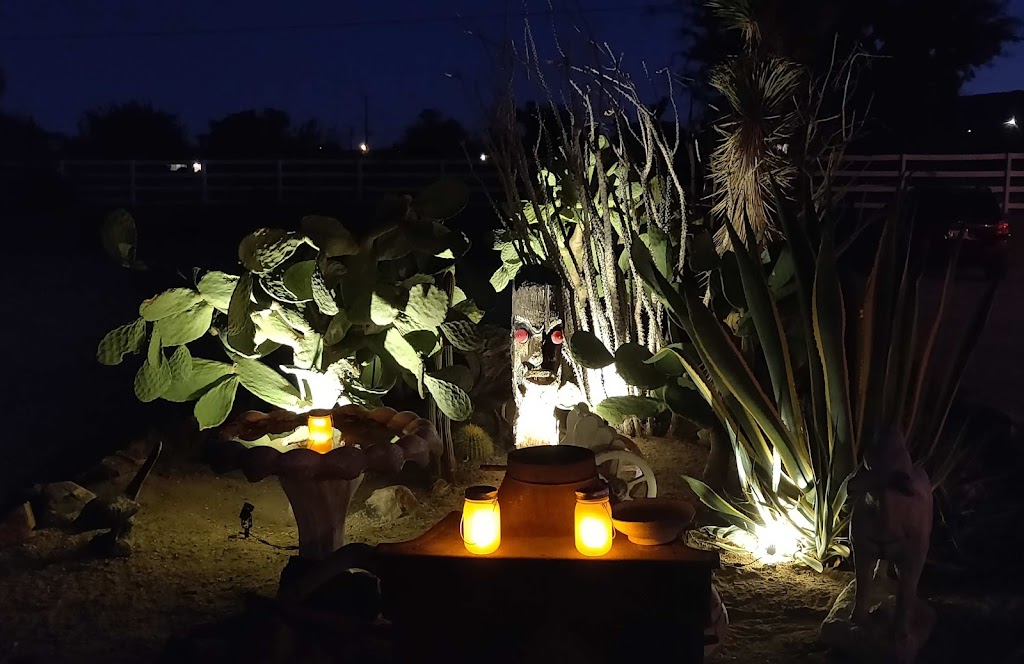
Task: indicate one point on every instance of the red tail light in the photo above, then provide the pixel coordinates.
(1002, 229)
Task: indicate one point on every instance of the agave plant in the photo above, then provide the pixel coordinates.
(351, 315)
(813, 389)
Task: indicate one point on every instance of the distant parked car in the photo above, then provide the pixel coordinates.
(947, 213)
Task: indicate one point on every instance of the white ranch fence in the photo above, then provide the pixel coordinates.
(866, 180)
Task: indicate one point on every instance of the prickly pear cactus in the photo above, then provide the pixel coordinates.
(356, 315)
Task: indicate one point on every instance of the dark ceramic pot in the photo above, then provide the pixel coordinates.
(538, 494)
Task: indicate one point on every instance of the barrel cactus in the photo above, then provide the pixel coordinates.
(472, 443)
(356, 315)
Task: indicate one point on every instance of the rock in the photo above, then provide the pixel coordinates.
(17, 526)
(390, 503)
(440, 488)
(62, 502)
(874, 641)
(111, 470)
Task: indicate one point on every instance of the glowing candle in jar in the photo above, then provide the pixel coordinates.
(481, 520)
(593, 519)
(321, 431)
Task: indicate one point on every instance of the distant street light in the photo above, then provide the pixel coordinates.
(1012, 122)
(483, 157)
(364, 148)
(196, 167)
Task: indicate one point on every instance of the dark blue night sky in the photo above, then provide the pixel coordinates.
(200, 58)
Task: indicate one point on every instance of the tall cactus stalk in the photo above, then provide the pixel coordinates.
(596, 168)
(442, 423)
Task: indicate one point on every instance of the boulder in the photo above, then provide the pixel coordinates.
(440, 488)
(390, 503)
(112, 470)
(874, 641)
(17, 525)
(62, 502)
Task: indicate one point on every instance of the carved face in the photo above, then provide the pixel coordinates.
(537, 334)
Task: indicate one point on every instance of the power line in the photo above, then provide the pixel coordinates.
(319, 27)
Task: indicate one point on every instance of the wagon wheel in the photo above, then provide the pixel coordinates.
(627, 474)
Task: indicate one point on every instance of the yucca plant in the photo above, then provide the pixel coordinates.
(813, 388)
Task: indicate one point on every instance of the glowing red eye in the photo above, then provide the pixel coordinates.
(521, 336)
(557, 337)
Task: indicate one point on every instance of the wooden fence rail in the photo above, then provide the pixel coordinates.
(867, 180)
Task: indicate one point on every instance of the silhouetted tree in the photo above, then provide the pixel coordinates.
(22, 139)
(132, 130)
(266, 134)
(249, 134)
(434, 135)
(920, 52)
(310, 139)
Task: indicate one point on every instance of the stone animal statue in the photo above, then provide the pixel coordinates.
(892, 521)
(117, 514)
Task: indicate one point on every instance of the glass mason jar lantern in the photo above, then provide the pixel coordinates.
(481, 520)
(593, 520)
(321, 431)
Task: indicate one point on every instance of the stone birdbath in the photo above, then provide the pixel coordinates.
(318, 485)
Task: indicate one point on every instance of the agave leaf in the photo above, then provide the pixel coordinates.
(804, 260)
(829, 326)
(667, 361)
(770, 332)
(661, 287)
(724, 359)
(931, 428)
(708, 496)
(929, 346)
(875, 333)
(900, 345)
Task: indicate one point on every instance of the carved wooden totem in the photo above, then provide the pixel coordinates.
(537, 363)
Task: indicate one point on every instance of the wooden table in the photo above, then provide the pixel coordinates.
(539, 600)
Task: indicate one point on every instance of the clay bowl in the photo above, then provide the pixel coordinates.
(651, 521)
